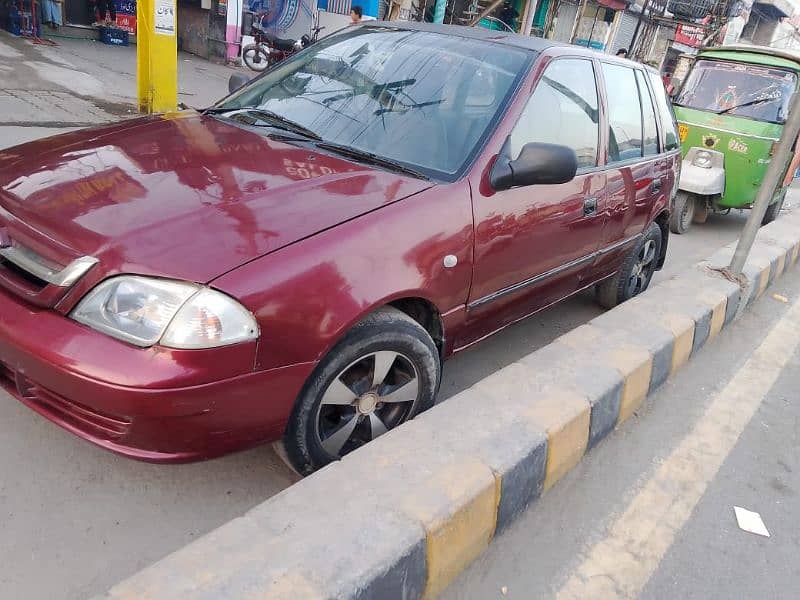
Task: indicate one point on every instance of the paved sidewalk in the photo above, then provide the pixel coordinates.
(83, 82)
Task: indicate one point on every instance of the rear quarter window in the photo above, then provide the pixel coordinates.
(664, 109)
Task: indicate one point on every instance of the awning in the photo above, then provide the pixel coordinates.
(775, 9)
(614, 4)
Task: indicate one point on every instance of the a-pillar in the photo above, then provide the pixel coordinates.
(156, 55)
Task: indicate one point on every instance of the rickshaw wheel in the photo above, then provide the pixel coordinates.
(682, 213)
(773, 210)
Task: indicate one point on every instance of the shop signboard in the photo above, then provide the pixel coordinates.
(126, 15)
(689, 36)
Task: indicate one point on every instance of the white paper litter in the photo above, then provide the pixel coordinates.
(750, 521)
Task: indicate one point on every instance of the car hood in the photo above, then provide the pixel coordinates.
(185, 195)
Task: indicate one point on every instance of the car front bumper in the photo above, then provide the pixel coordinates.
(149, 404)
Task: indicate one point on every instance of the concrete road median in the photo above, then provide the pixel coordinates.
(403, 516)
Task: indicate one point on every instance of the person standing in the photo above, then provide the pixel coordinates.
(51, 13)
(104, 12)
(622, 53)
(355, 15)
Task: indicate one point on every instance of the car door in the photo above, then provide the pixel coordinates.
(634, 166)
(533, 243)
(670, 142)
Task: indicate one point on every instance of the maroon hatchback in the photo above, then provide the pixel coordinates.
(296, 262)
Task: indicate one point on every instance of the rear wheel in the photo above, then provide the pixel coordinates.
(636, 272)
(773, 210)
(682, 213)
(256, 57)
(385, 371)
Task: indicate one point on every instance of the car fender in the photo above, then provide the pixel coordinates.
(306, 296)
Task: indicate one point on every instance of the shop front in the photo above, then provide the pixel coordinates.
(86, 13)
(596, 23)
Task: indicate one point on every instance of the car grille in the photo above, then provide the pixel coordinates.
(74, 414)
(35, 278)
(20, 277)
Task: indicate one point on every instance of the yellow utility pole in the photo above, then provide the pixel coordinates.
(156, 55)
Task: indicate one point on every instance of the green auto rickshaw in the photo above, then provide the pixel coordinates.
(730, 111)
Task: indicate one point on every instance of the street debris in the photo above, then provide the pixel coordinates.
(750, 521)
(780, 298)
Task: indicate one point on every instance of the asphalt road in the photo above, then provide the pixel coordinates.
(90, 518)
(666, 482)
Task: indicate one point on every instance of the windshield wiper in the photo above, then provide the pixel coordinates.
(743, 104)
(370, 158)
(272, 118)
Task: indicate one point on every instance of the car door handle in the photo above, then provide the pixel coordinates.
(589, 207)
(656, 185)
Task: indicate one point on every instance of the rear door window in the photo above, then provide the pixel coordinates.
(650, 136)
(562, 110)
(624, 114)
(669, 129)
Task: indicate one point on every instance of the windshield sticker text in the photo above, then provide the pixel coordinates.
(737, 146)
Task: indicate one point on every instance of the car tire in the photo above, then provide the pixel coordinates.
(682, 213)
(636, 272)
(773, 210)
(344, 404)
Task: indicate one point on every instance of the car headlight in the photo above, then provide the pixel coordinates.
(145, 311)
(702, 159)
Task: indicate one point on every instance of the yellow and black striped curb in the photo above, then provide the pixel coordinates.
(404, 515)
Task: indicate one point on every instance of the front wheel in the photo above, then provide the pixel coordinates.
(385, 371)
(682, 213)
(773, 210)
(256, 57)
(636, 272)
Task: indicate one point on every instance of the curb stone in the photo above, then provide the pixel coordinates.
(403, 516)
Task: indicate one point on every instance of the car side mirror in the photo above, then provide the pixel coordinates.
(537, 164)
(236, 81)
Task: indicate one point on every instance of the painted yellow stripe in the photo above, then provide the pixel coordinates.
(763, 280)
(620, 565)
(565, 417)
(459, 513)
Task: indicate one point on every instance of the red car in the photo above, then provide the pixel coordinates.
(296, 262)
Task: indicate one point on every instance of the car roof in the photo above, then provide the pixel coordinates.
(475, 33)
(503, 37)
(792, 55)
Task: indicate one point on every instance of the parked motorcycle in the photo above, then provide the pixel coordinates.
(269, 49)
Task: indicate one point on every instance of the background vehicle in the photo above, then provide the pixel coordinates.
(268, 48)
(731, 110)
(296, 262)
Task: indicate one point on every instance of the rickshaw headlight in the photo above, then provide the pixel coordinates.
(702, 159)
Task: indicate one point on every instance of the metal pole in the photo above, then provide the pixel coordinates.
(634, 39)
(576, 24)
(485, 12)
(772, 179)
(527, 21)
(591, 32)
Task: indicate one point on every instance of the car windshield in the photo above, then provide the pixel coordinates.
(751, 91)
(421, 99)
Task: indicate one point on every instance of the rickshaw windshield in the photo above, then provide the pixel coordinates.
(751, 91)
